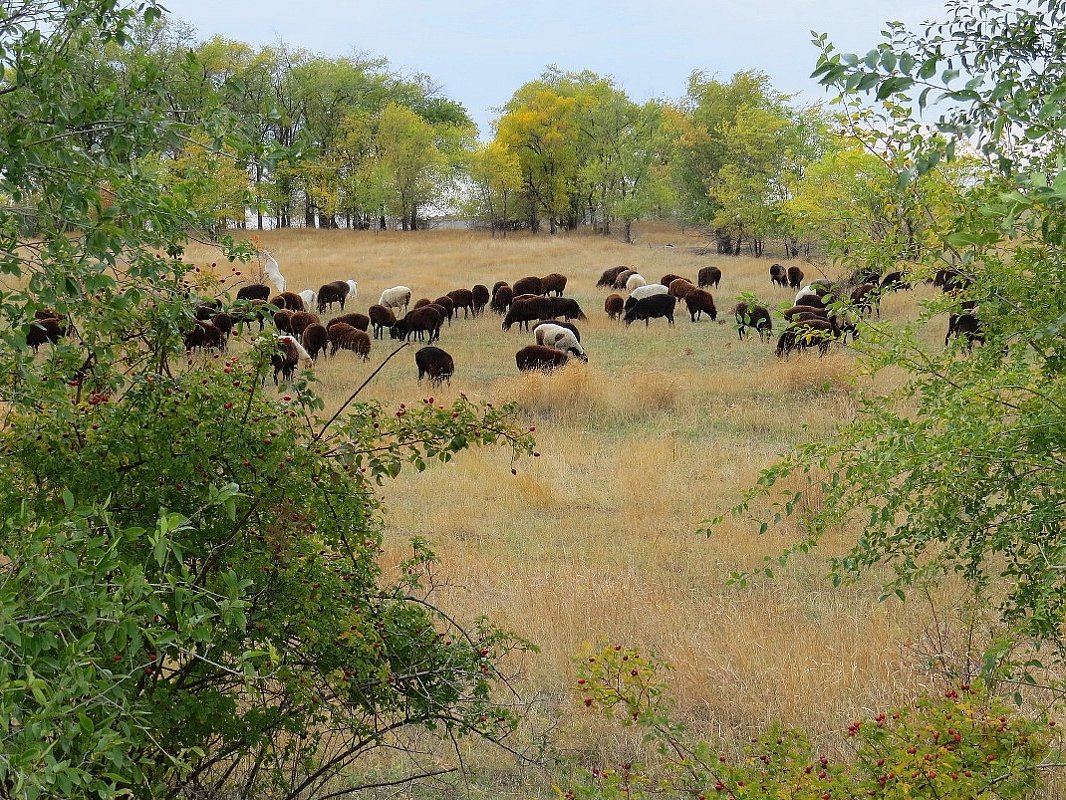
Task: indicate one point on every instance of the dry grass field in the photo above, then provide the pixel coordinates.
(596, 539)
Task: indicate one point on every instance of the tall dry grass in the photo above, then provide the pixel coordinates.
(596, 539)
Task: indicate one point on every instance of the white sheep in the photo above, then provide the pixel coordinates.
(309, 297)
(562, 339)
(396, 297)
(273, 271)
(304, 355)
(634, 281)
(648, 290)
(353, 289)
(805, 294)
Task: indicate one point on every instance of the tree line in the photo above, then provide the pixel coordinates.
(351, 143)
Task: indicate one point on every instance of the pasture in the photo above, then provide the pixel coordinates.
(596, 539)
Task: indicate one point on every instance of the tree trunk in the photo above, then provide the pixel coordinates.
(414, 216)
(628, 231)
(258, 203)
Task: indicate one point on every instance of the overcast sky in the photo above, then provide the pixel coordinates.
(481, 51)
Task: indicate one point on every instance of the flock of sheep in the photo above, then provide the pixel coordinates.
(823, 311)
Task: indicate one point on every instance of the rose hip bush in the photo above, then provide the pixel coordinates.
(964, 744)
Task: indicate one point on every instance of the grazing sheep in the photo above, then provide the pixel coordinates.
(530, 285)
(300, 320)
(249, 311)
(795, 277)
(669, 278)
(700, 301)
(205, 309)
(330, 293)
(751, 315)
(42, 330)
(205, 336)
(396, 297)
(812, 295)
(648, 308)
(435, 363)
(565, 307)
(864, 276)
(965, 325)
(254, 291)
(778, 275)
(360, 321)
(893, 282)
(708, 276)
(381, 318)
(288, 300)
(633, 281)
(614, 305)
(680, 288)
(791, 313)
(562, 323)
(538, 357)
(641, 292)
(462, 298)
(309, 297)
(343, 336)
(497, 285)
(501, 299)
(314, 339)
(286, 358)
(551, 334)
(353, 289)
(479, 295)
(422, 302)
(224, 322)
(447, 304)
(609, 275)
(283, 320)
(867, 298)
(525, 310)
(418, 322)
(622, 277)
(553, 282)
(807, 333)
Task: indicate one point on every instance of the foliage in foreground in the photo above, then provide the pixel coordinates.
(191, 598)
(960, 471)
(965, 744)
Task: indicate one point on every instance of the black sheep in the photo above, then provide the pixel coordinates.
(314, 339)
(795, 277)
(330, 293)
(965, 325)
(648, 308)
(49, 330)
(751, 315)
(609, 275)
(565, 307)
(708, 276)
(418, 322)
(807, 333)
(535, 356)
(254, 291)
(501, 299)
(530, 285)
(479, 295)
(778, 275)
(462, 298)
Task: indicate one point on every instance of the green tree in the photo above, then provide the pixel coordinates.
(191, 602)
(960, 471)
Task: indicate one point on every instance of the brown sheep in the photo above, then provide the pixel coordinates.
(330, 293)
(708, 276)
(480, 296)
(867, 298)
(422, 302)
(314, 339)
(525, 310)
(447, 304)
(621, 278)
(669, 278)
(750, 315)
(417, 322)
(553, 282)
(501, 300)
(530, 285)
(42, 330)
(700, 301)
(680, 288)
(778, 275)
(283, 320)
(462, 298)
(435, 363)
(535, 356)
(381, 318)
(614, 305)
(254, 291)
(795, 277)
(344, 337)
(496, 286)
(807, 333)
(791, 313)
(289, 300)
(360, 321)
(285, 359)
(609, 275)
(300, 320)
(205, 336)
